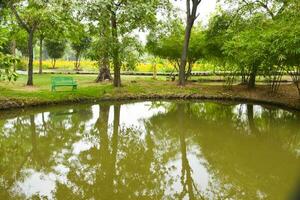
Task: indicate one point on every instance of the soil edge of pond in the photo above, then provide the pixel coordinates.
(11, 103)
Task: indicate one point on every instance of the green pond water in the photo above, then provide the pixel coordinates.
(150, 150)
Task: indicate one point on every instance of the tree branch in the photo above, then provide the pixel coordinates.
(282, 8)
(188, 8)
(19, 19)
(265, 6)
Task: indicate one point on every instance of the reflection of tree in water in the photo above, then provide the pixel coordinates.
(188, 184)
(126, 163)
(233, 155)
(120, 166)
(25, 145)
(238, 157)
(173, 126)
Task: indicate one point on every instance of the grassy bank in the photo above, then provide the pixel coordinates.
(16, 94)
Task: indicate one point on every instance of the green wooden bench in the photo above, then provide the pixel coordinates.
(63, 81)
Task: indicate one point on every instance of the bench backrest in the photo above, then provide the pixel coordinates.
(62, 79)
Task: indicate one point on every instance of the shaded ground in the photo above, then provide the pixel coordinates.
(16, 94)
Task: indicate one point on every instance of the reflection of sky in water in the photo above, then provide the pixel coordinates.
(131, 115)
(241, 111)
(41, 183)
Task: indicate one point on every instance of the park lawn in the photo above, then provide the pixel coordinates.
(87, 88)
(42, 88)
(135, 87)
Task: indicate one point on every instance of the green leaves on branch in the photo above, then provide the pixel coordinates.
(6, 67)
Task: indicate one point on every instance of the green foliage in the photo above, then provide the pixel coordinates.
(215, 36)
(6, 67)
(249, 47)
(255, 37)
(166, 43)
(81, 45)
(55, 47)
(6, 61)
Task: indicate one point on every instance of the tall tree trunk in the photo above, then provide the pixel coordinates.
(188, 32)
(191, 16)
(41, 56)
(116, 59)
(30, 54)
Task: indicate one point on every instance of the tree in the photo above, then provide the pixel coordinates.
(154, 62)
(80, 39)
(166, 43)
(55, 23)
(249, 48)
(191, 15)
(285, 47)
(6, 61)
(99, 28)
(28, 17)
(251, 36)
(196, 49)
(125, 17)
(80, 45)
(55, 49)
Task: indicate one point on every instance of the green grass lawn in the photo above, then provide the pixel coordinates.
(87, 88)
(133, 87)
(42, 88)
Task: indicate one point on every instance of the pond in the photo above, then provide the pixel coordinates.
(150, 150)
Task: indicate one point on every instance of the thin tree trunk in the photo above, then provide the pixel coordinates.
(116, 59)
(184, 54)
(13, 51)
(41, 56)
(189, 72)
(30, 54)
(155, 71)
(53, 63)
(77, 62)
